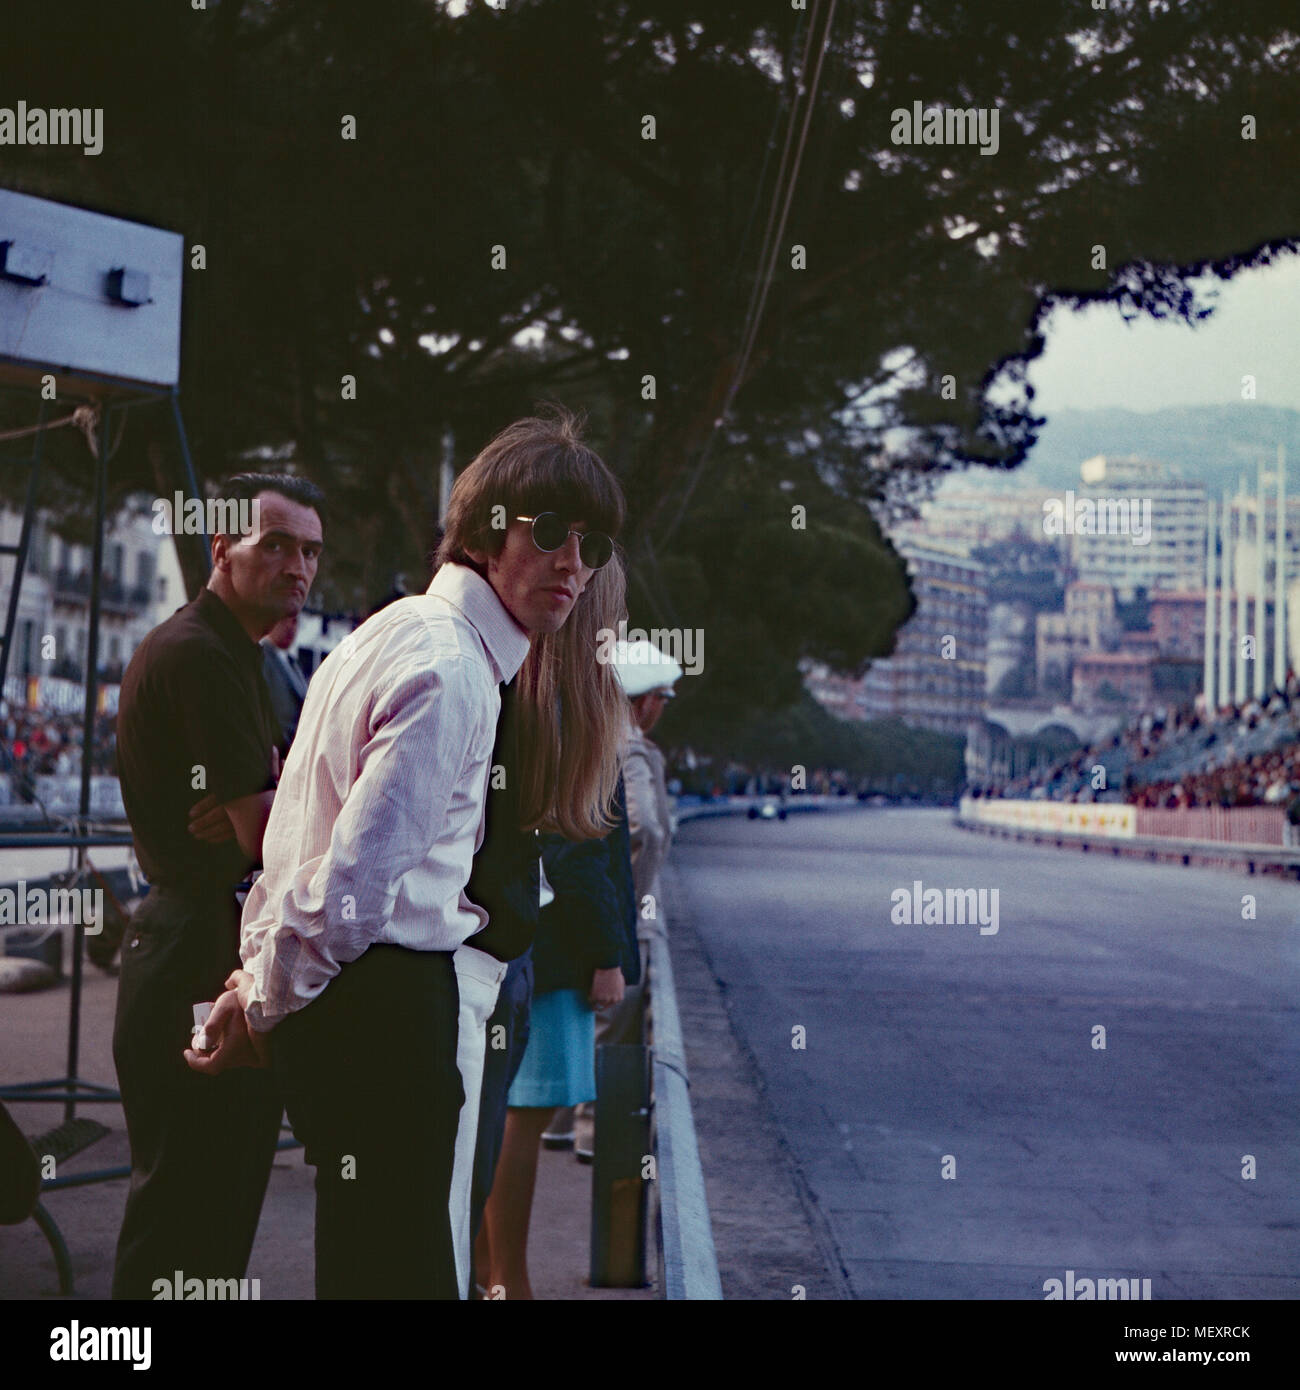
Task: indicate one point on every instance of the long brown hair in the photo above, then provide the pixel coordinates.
(572, 713)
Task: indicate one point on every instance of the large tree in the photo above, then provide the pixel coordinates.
(1137, 143)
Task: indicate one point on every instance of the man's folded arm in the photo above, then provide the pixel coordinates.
(297, 936)
(249, 815)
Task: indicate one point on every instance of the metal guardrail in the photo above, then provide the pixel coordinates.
(57, 839)
(688, 1260)
(1149, 845)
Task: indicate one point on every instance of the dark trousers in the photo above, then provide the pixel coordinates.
(369, 1075)
(201, 1146)
(508, 1027)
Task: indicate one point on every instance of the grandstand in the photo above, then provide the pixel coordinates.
(1246, 755)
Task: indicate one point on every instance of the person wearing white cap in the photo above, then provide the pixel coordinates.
(647, 676)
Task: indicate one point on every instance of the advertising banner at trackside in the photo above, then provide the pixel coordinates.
(1061, 817)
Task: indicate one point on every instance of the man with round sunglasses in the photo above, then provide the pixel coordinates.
(551, 531)
(362, 982)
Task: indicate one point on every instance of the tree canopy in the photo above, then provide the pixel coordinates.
(554, 199)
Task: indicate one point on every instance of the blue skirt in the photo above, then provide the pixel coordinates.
(559, 1066)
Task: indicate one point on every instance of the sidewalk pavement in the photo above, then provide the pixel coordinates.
(33, 1046)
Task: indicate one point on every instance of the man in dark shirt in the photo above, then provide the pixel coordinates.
(195, 755)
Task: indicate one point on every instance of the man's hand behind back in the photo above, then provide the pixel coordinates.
(235, 1044)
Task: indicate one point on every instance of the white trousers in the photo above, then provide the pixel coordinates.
(478, 977)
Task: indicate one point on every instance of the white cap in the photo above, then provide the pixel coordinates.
(642, 667)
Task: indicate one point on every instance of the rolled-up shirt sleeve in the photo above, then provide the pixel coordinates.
(424, 734)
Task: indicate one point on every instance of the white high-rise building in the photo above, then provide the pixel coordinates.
(1166, 508)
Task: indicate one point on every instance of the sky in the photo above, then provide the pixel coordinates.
(1094, 359)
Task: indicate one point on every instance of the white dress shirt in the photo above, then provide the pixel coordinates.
(379, 811)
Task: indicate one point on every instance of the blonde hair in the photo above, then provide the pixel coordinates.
(571, 710)
(573, 717)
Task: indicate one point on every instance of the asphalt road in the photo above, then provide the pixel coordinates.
(935, 1048)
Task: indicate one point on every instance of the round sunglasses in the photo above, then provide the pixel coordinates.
(551, 531)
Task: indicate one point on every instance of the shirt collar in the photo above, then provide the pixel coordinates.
(214, 611)
(505, 641)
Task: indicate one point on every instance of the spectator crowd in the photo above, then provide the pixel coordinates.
(44, 742)
(1242, 755)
